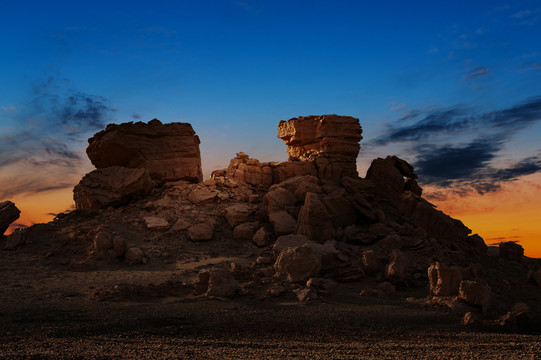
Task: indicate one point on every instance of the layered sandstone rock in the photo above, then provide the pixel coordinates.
(111, 186)
(167, 151)
(8, 214)
(330, 141)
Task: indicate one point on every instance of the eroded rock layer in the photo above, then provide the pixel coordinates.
(167, 151)
(331, 141)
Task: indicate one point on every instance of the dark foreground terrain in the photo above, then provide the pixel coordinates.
(50, 313)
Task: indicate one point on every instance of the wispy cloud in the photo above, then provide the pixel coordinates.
(9, 109)
(475, 73)
(521, 14)
(460, 120)
(446, 156)
(43, 149)
(395, 106)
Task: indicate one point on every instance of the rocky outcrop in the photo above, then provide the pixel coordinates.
(111, 186)
(250, 171)
(330, 141)
(8, 214)
(510, 250)
(167, 151)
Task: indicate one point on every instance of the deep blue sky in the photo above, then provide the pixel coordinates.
(453, 87)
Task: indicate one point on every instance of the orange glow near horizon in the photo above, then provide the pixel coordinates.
(511, 214)
(41, 207)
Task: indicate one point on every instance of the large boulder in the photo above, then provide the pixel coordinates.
(111, 186)
(510, 250)
(326, 251)
(475, 293)
(444, 280)
(222, 283)
(238, 214)
(314, 220)
(392, 176)
(282, 222)
(331, 141)
(298, 264)
(167, 151)
(8, 214)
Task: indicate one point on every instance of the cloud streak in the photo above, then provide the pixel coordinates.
(475, 73)
(456, 148)
(43, 149)
(460, 120)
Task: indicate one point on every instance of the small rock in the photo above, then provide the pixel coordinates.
(245, 231)
(323, 286)
(306, 295)
(134, 255)
(119, 245)
(282, 222)
(103, 241)
(262, 237)
(222, 283)
(156, 223)
(238, 214)
(201, 194)
(470, 319)
(200, 232)
(181, 224)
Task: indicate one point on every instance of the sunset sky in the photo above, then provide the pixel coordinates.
(452, 87)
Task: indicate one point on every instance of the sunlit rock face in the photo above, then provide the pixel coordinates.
(331, 141)
(167, 151)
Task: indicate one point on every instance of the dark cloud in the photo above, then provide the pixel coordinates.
(136, 116)
(48, 135)
(445, 155)
(33, 185)
(448, 121)
(516, 117)
(475, 73)
(449, 162)
(461, 120)
(461, 170)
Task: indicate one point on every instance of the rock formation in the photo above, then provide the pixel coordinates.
(8, 214)
(111, 186)
(167, 151)
(298, 229)
(330, 141)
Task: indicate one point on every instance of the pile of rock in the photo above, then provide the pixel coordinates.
(307, 224)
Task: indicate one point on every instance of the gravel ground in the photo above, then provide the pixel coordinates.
(210, 329)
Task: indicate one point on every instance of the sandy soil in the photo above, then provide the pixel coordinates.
(51, 310)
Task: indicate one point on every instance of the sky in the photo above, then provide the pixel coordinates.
(452, 87)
